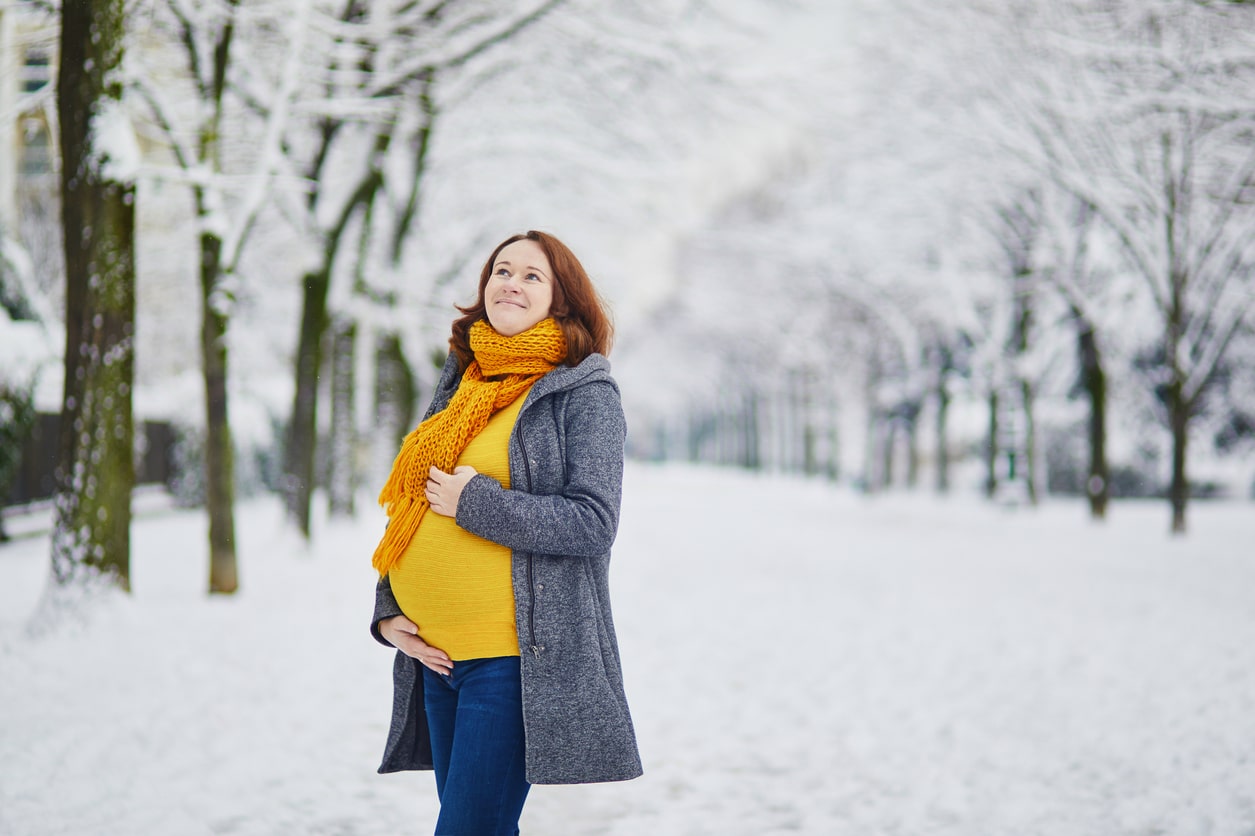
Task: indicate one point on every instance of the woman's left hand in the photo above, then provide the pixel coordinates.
(443, 489)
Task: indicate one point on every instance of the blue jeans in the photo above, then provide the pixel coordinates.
(475, 716)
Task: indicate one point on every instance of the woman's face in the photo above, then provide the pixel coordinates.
(520, 290)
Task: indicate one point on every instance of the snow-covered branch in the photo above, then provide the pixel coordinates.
(270, 154)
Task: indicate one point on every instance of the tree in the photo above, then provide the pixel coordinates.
(1151, 129)
(95, 473)
(1089, 292)
(1013, 425)
(384, 65)
(207, 33)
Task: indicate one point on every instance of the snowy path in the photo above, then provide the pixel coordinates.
(799, 660)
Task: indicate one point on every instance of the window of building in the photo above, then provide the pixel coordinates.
(36, 149)
(37, 72)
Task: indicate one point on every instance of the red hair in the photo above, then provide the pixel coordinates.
(577, 307)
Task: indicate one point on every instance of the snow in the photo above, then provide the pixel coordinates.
(114, 144)
(29, 348)
(27, 351)
(799, 659)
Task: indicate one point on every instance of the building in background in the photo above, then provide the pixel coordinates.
(27, 109)
(31, 245)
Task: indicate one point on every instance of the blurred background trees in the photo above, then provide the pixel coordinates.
(1052, 195)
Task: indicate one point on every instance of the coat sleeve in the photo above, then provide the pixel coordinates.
(385, 607)
(581, 520)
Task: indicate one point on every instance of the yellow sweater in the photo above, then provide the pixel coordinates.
(456, 585)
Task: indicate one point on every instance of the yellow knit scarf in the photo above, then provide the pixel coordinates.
(503, 369)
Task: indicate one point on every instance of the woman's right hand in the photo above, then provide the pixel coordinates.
(403, 634)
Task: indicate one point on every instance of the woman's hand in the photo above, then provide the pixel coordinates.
(403, 634)
(443, 489)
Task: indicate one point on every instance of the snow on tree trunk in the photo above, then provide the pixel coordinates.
(95, 471)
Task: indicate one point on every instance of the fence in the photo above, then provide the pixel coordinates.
(154, 446)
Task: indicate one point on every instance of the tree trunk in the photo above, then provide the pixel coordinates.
(943, 450)
(991, 446)
(1178, 408)
(95, 471)
(833, 463)
(303, 430)
(749, 426)
(696, 423)
(396, 394)
(1179, 419)
(342, 473)
(1031, 459)
(724, 440)
(219, 452)
(1022, 326)
(870, 451)
(1094, 381)
(806, 416)
(299, 480)
(911, 430)
(888, 441)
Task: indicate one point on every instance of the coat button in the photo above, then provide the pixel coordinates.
(540, 587)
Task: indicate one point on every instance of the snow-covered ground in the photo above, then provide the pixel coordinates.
(799, 660)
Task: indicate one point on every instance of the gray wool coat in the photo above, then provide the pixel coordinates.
(559, 519)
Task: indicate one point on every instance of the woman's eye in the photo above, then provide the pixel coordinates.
(533, 277)
(501, 271)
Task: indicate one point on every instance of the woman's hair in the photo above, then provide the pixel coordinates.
(576, 307)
